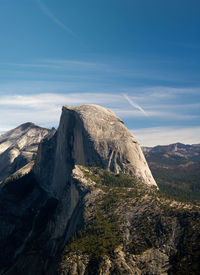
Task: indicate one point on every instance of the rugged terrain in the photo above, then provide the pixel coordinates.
(176, 168)
(131, 229)
(18, 148)
(91, 206)
(117, 226)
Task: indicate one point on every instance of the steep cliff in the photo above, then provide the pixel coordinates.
(89, 135)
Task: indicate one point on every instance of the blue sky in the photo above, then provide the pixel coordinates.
(141, 58)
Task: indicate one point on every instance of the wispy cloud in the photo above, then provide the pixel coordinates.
(159, 93)
(53, 101)
(65, 65)
(167, 135)
(44, 109)
(135, 105)
(161, 114)
(51, 16)
(103, 69)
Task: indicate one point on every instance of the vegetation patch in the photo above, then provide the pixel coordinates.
(98, 239)
(180, 182)
(107, 178)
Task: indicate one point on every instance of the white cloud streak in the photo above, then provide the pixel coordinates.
(102, 67)
(45, 101)
(135, 105)
(44, 109)
(48, 13)
(154, 114)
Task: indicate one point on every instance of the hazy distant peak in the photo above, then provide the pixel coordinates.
(174, 147)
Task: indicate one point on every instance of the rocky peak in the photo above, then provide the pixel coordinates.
(27, 125)
(15, 135)
(18, 147)
(89, 135)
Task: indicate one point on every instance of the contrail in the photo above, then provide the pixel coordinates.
(46, 11)
(135, 105)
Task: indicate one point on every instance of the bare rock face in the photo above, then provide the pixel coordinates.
(89, 135)
(18, 147)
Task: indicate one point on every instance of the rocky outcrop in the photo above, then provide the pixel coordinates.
(18, 147)
(89, 135)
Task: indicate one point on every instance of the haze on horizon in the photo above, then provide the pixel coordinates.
(139, 58)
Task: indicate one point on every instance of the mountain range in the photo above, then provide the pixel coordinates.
(176, 168)
(83, 201)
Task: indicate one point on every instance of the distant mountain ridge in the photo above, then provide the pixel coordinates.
(174, 147)
(176, 168)
(177, 153)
